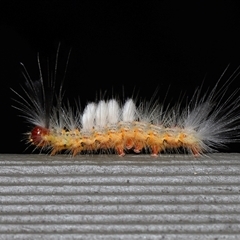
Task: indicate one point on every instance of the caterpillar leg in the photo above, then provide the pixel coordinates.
(196, 151)
(120, 151)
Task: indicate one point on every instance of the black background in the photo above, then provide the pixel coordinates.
(132, 45)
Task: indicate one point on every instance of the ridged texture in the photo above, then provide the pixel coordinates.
(107, 197)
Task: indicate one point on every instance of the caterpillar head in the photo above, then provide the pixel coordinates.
(37, 135)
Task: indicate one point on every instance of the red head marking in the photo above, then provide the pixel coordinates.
(36, 135)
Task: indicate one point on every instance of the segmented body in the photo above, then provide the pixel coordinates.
(103, 134)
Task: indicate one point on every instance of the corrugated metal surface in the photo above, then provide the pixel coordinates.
(108, 197)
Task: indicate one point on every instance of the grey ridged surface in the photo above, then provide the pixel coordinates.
(108, 197)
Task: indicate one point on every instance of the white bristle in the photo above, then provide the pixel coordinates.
(113, 112)
(101, 115)
(129, 111)
(88, 117)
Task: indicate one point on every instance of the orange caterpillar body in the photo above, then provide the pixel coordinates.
(136, 136)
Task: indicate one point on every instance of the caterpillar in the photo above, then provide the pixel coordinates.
(205, 124)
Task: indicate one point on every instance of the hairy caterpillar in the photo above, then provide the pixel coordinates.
(207, 123)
